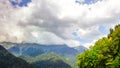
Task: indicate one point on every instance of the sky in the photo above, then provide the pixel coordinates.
(71, 22)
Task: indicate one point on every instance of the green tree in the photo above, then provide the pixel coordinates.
(104, 54)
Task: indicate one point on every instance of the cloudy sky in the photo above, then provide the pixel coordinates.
(71, 22)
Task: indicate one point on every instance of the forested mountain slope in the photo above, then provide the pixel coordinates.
(50, 60)
(7, 60)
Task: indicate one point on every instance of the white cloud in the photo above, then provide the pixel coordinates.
(54, 21)
(89, 44)
(72, 43)
(89, 33)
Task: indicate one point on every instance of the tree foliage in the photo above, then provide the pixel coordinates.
(104, 54)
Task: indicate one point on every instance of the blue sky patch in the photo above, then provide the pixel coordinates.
(103, 30)
(87, 1)
(21, 4)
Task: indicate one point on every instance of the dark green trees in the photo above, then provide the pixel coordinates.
(104, 54)
(7, 60)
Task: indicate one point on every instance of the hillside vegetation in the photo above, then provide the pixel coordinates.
(7, 60)
(50, 60)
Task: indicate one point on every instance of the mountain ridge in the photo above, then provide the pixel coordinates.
(33, 47)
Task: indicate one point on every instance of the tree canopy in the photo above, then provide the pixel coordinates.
(104, 54)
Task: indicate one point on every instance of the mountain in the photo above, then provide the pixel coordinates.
(50, 60)
(33, 49)
(7, 60)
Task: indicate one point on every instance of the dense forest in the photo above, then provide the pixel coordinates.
(104, 54)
